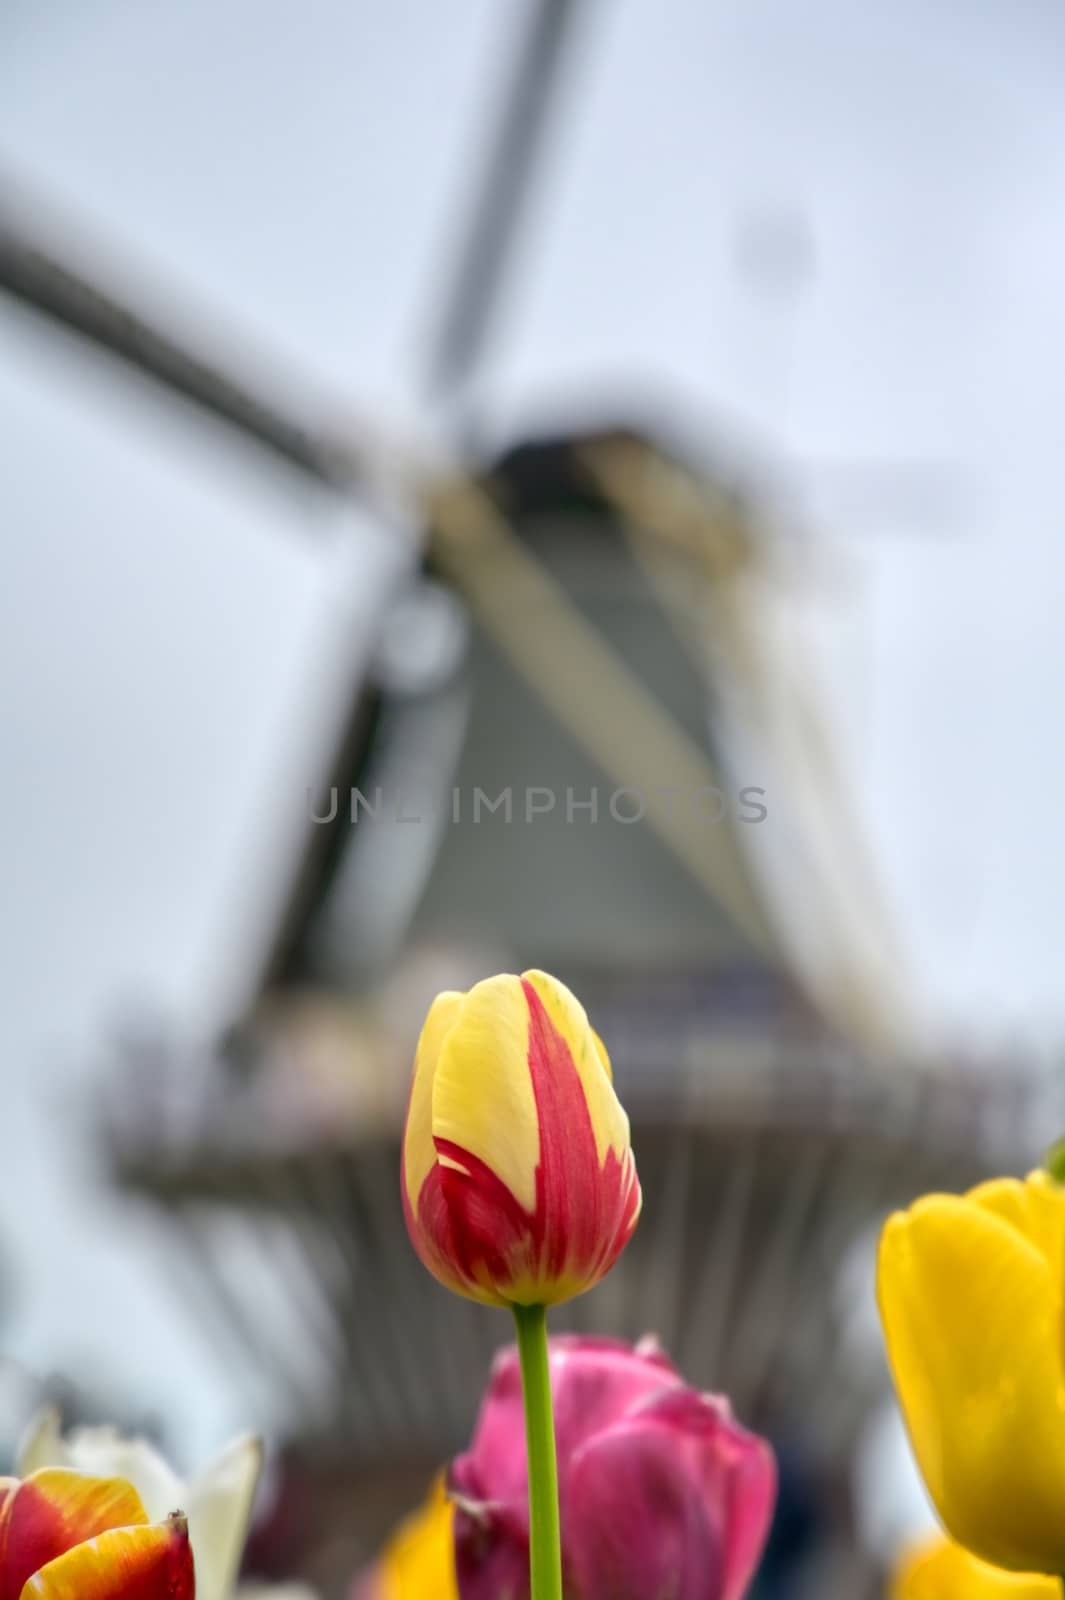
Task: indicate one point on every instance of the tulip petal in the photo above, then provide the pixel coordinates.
(42, 1444)
(491, 1553)
(419, 1153)
(568, 1019)
(9, 1487)
(419, 1563)
(588, 1202)
(468, 1230)
(735, 1470)
(103, 1452)
(603, 1057)
(596, 1380)
(638, 1523)
(1036, 1208)
(483, 1102)
(145, 1563)
(470, 1225)
(942, 1570)
(593, 1382)
(53, 1510)
(218, 1505)
(971, 1318)
(465, 1223)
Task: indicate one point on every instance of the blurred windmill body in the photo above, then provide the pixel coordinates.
(580, 747)
(563, 781)
(776, 1114)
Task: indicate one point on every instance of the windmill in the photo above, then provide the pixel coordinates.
(589, 609)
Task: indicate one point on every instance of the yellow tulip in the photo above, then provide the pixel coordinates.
(971, 1298)
(419, 1560)
(942, 1570)
(519, 1184)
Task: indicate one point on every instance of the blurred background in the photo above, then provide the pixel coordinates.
(566, 483)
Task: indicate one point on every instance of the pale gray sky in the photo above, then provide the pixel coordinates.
(165, 620)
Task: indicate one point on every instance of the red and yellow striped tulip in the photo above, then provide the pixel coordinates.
(67, 1536)
(942, 1570)
(519, 1184)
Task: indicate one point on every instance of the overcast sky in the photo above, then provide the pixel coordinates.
(169, 609)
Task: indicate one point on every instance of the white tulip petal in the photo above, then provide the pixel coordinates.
(218, 1503)
(42, 1444)
(104, 1453)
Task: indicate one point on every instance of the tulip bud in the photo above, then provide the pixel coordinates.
(661, 1492)
(519, 1184)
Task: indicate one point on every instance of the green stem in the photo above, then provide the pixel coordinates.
(545, 1547)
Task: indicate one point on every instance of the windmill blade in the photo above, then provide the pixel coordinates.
(45, 276)
(472, 301)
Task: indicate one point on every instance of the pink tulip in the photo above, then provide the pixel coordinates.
(662, 1493)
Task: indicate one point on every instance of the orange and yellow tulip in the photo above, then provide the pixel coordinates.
(66, 1536)
(942, 1570)
(971, 1291)
(519, 1184)
(217, 1502)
